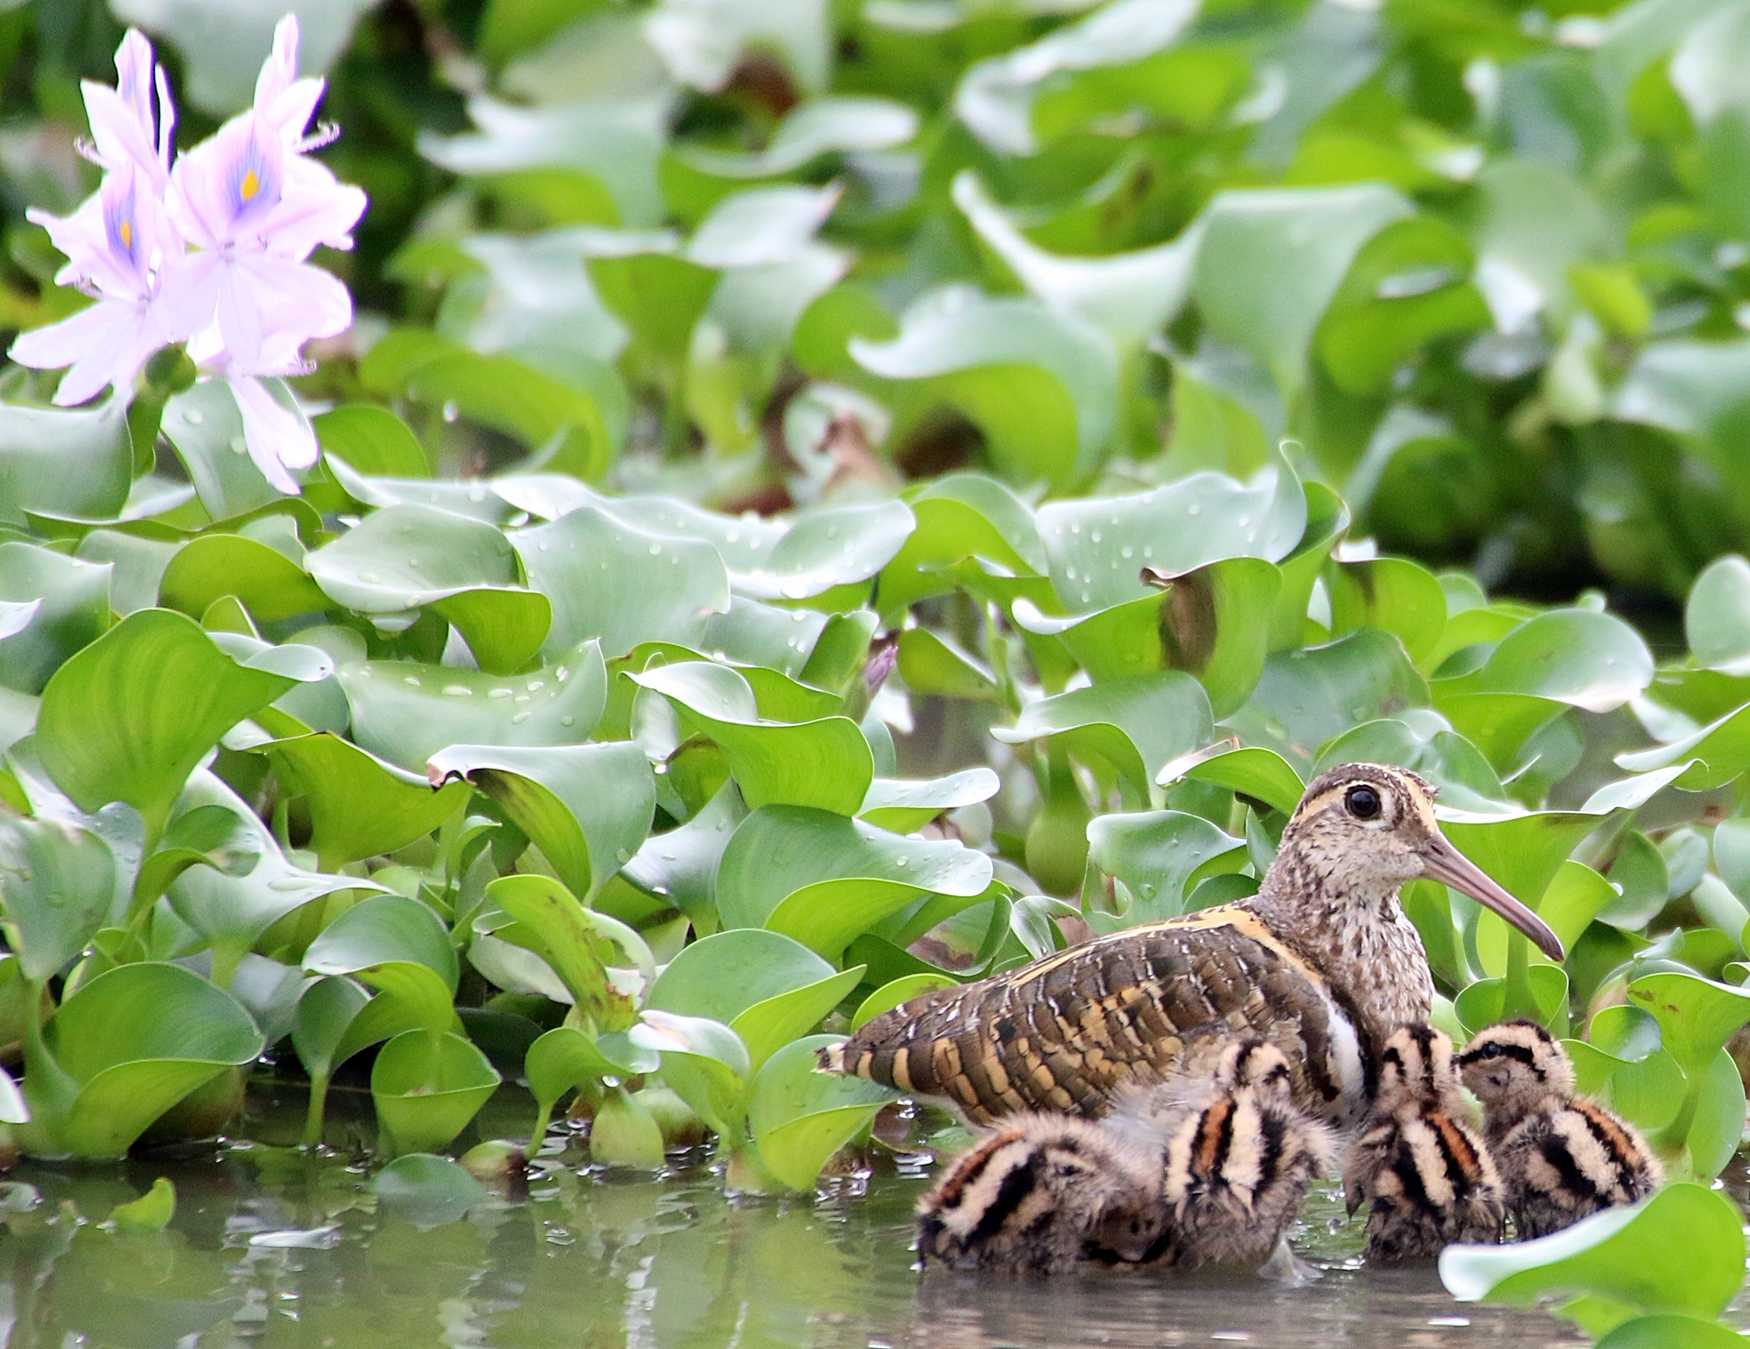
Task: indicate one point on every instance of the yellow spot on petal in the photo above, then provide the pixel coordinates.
(126, 231)
(250, 186)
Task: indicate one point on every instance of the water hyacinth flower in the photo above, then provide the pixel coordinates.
(211, 249)
(132, 123)
(256, 207)
(120, 249)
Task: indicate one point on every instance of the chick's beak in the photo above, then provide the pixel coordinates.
(1445, 863)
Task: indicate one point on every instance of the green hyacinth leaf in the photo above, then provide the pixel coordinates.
(587, 807)
(106, 732)
(124, 1049)
(798, 1117)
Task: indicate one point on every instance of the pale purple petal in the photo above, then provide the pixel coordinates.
(289, 114)
(119, 136)
(281, 66)
(238, 309)
(275, 437)
(314, 210)
(308, 302)
(130, 232)
(80, 236)
(196, 201)
(224, 188)
(61, 343)
(104, 344)
(187, 298)
(123, 126)
(267, 308)
(133, 69)
(117, 240)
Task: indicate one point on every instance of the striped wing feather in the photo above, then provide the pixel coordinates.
(1132, 1009)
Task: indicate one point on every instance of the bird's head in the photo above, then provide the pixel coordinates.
(1510, 1067)
(1364, 827)
(1254, 1062)
(1416, 1068)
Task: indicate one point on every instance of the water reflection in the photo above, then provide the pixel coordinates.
(271, 1247)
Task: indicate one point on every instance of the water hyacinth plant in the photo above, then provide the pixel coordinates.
(823, 506)
(209, 248)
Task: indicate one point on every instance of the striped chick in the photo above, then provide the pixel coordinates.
(1238, 1162)
(1426, 1177)
(1563, 1157)
(1040, 1194)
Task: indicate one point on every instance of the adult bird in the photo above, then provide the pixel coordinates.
(1321, 962)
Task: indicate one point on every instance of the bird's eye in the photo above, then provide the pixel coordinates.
(1362, 802)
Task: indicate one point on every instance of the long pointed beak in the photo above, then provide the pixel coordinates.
(1445, 863)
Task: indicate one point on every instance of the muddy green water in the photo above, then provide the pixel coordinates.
(272, 1247)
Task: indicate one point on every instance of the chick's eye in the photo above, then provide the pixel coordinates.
(1362, 802)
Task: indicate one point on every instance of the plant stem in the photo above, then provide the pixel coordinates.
(1516, 1000)
(543, 1117)
(313, 1113)
(226, 957)
(50, 1089)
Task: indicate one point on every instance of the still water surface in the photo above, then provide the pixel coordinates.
(272, 1247)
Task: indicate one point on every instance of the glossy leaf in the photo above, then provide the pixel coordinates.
(624, 1133)
(397, 945)
(58, 880)
(1716, 618)
(1155, 854)
(1136, 726)
(620, 585)
(1588, 660)
(1714, 755)
(151, 1212)
(1250, 771)
(427, 1190)
(965, 349)
(57, 604)
(566, 1058)
(823, 879)
(404, 558)
(766, 987)
(358, 806)
(427, 1085)
(125, 1048)
(75, 462)
(1679, 1252)
(105, 734)
(907, 805)
(405, 712)
(1696, 1016)
(823, 763)
(703, 1061)
(1306, 697)
(587, 807)
(799, 1117)
(271, 585)
(578, 944)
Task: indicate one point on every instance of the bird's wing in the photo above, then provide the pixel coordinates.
(1135, 1008)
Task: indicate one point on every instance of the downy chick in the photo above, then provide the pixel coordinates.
(1563, 1157)
(1426, 1176)
(1238, 1162)
(1040, 1194)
